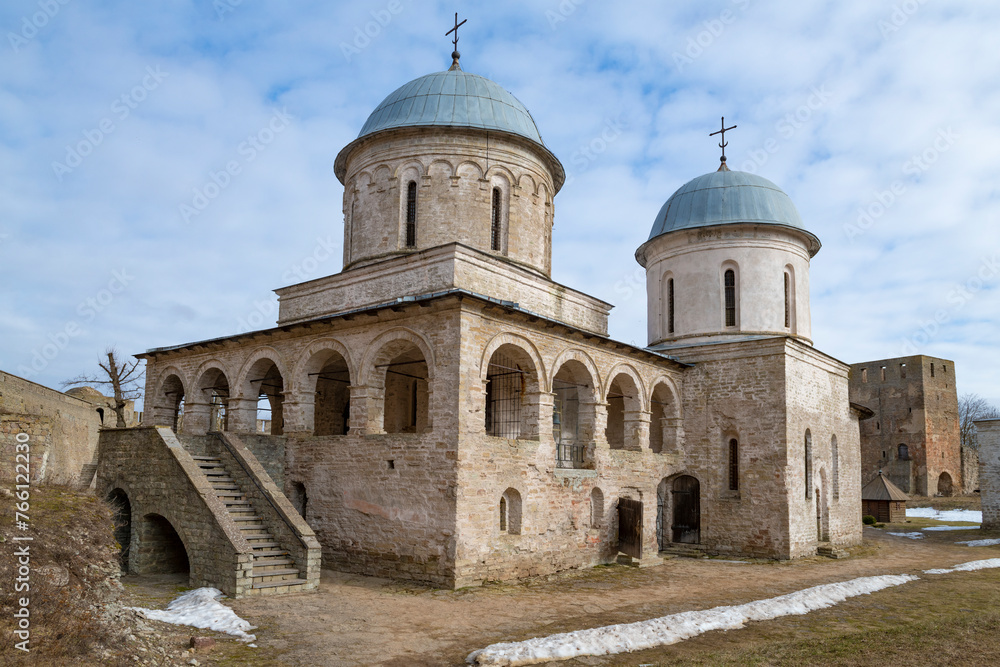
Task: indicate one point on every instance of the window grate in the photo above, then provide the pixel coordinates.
(504, 394)
(495, 222)
(730, 281)
(411, 215)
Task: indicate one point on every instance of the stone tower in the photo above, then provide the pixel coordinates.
(727, 258)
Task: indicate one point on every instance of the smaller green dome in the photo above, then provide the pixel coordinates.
(729, 197)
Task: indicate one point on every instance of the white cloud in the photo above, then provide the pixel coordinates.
(891, 91)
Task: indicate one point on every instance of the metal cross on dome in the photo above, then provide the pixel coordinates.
(455, 30)
(722, 142)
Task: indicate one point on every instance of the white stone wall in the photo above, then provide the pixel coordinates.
(697, 260)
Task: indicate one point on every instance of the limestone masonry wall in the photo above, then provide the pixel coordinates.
(989, 471)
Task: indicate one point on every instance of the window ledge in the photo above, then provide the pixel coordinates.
(571, 473)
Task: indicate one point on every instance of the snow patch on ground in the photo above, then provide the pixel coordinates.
(951, 528)
(200, 608)
(671, 629)
(987, 564)
(912, 536)
(945, 515)
(979, 543)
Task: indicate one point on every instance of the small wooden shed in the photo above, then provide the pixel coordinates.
(884, 500)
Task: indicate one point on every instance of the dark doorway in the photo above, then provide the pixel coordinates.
(630, 527)
(161, 550)
(686, 493)
(122, 521)
(299, 498)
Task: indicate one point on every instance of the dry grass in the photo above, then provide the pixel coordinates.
(72, 539)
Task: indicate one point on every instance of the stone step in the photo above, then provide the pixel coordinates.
(240, 519)
(207, 458)
(276, 574)
(265, 564)
(240, 510)
(216, 473)
(262, 547)
(268, 553)
(278, 587)
(226, 487)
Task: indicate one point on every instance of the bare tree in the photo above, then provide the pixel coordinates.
(970, 408)
(121, 375)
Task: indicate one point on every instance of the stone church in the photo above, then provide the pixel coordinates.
(441, 410)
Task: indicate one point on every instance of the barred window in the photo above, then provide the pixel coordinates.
(730, 283)
(411, 215)
(496, 222)
(670, 305)
(734, 465)
(788, 303)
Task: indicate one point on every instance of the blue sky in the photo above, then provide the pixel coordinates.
(117, 120)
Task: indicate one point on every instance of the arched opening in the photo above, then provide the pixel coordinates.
(903, 453)
(161, 550)
(573, 414)
(822, 509)
(510, 512)
(789, 279)
(332, 407)
(299, 499)
(686, 528)
(264, 382)
(944, 485)
(664, 424)
(511, 409)
(171, 403)
(214, 387)
(100, 413)
(122, 521)
(808, 462)
(668, 304)
(405, 378)
(496, 222)
(596, 508)
(663, 508)
(623, 404)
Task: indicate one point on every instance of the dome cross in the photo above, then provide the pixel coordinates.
(722, 140)
(455, 54)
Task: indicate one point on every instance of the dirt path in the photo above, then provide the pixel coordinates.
(356, 620)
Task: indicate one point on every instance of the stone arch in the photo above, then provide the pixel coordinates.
(577, 412)
(209, 405)
(730, 320)
(528, 183)
(628, 420)
(475, 166)
(382, 173)
(498, 229)
(448, 170)
(666, 431)
(945, 486)
(510, 512)
(160, 547)
(596, 507)
(397, 401)
(263, 385)
(500, 170)
(168, 399)
(409, 170)
(122, 521)
(512, 375)
(678, 516)
(323, 379)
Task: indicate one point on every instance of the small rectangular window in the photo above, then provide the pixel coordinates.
(734, 465)
(882, 368)
(864, 375)
(932, 369)
(670, 305)
(730, 289)
(902, 371)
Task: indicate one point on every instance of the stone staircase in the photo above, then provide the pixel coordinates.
(679, 550)
(274, 571)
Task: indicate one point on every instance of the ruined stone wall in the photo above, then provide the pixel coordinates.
(455, 171)
(63, 429)
(989, 471)
(919, 411)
